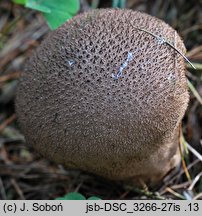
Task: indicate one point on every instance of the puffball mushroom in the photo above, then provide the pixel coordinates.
(102, 96)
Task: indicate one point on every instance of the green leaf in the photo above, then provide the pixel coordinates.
(72, 196)
(38, 5)
(94, 198)
(60, 198)
(56, 12)
(200, 185)
(53, 22)
(23, 2)
(119, 3)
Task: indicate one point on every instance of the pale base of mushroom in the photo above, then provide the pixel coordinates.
(149, 169)
(156, 174)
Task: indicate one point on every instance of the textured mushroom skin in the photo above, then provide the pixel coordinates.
(73, 111)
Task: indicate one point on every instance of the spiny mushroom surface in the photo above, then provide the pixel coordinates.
(104, 97)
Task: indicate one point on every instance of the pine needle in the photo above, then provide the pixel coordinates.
(191, 149)
(194, 91)
(162, 40)
(196, 179)
(198, 66)
(183, 142)
(174, 193)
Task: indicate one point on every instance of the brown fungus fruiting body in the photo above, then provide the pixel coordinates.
(104, 97)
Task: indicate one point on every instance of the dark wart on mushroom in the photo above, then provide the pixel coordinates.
(102, 96)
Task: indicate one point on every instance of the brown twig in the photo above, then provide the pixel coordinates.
(7, 122)
(182, 143)
(174, 193)
(17, 188)
(194, 51)
(2, 190)
(11, 76)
